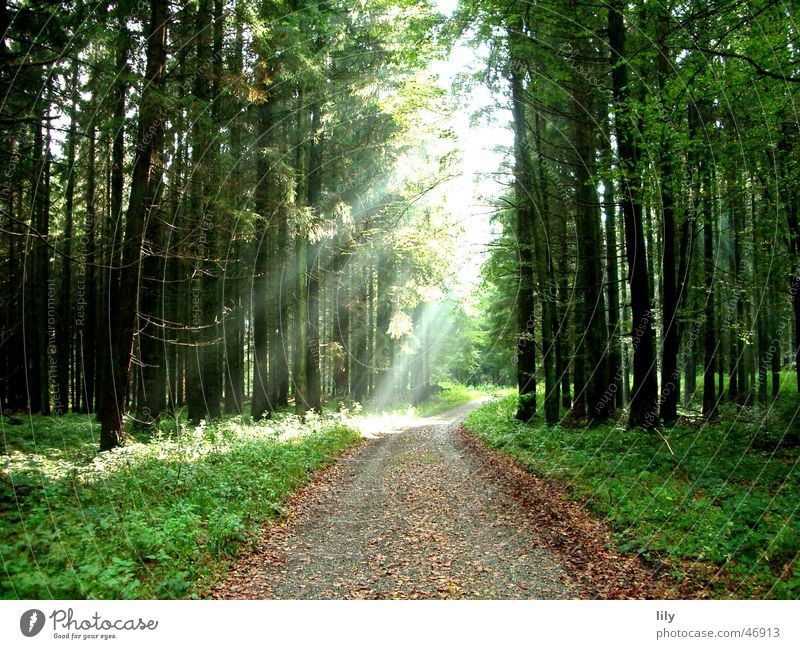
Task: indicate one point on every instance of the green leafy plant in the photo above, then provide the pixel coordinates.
(154, 519)
(717, 506)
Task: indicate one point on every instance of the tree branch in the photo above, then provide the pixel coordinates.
(759, 68)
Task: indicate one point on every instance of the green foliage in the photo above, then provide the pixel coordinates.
(152, 519)
(451, 395)
(719, 512)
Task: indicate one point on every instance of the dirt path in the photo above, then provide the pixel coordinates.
(419, 513)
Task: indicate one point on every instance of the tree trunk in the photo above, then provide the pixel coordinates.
(112, 243)
(670, 378)
(526, 320)
(88, 325)
(592, 343)
(146, 177)
(709, 389)
(64, 332)
(612, 278)
(261, 405)
(340, 337)
(38, 287)
(313, 269)
(644, 395)
(548, 288)
(384, 344)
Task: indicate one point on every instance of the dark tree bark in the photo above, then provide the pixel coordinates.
(564, 306)
(704, 208)
(110, 277)
(670, 379)
(358, 337)
(340, 336)
(234, 325)
(151, 399)
(592, 337)
(146, 177)
(525, 307)
(548, 288)
(204, 380)
(791, 202)
(13, 392)
(38, 329)
(384, 344)
(279, 340)
(776, 345)
(612, 279)
(64, 332)
(644, 392)
(212, 312)
(313, 268)
(88, 326)
(734, 342)
(709, 388)
(261, 405)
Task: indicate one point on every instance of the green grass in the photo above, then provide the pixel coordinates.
(158, 518)
(452, 395)
(722, 512)
(787, 388)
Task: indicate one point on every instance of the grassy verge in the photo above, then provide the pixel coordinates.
(722, 512)
(450, 396)
(442, 397)
(154, 519)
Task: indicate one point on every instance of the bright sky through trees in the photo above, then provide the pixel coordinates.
(478, 179)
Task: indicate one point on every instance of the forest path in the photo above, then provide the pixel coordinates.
(424, 512)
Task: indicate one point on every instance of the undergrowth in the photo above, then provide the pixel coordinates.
(155, 519)
(450, 396)
(721, 512)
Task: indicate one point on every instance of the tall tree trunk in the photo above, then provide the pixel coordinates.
(358, 337)
(593, 339)
(340, 336)
(670, 378)
(151, 400)
(384, 345)
(734, 342)
(301, 324)
(791, 203)
(548, 288)
(775, 346)
(563, 330)
(88, 325)
(146, 177)
(204, 381)
(37, 331)
(705, 207)
(110, 277)
(13, 345)
(261, 405)
(279, 340)
(644, 395)
(313, 269)
(523, 186)
(233, 325)
(64, 332)
(612, 278)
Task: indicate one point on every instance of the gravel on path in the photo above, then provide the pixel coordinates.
(419, 513)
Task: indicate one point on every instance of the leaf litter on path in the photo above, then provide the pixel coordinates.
(427, 512)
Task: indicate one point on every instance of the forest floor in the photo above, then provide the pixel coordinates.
(425, 511)
(714, 503)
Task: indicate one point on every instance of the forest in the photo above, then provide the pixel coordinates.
(234, 234)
